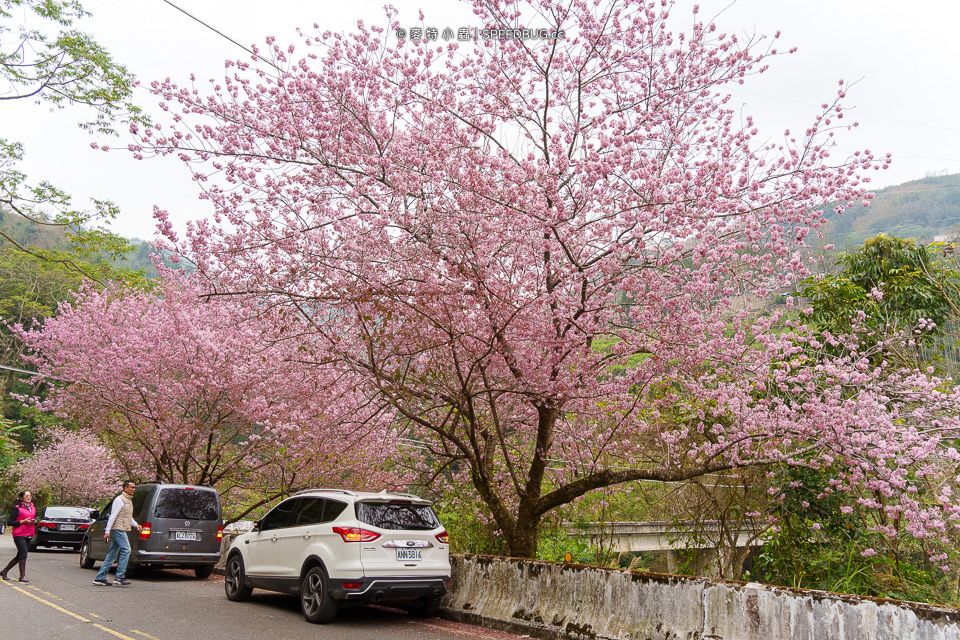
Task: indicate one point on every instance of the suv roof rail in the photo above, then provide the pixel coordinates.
(405, 495)
(344, 491)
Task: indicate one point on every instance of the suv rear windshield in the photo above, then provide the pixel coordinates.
(187, 504)
(397, 515)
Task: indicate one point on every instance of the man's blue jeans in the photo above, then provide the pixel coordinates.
(118, 545)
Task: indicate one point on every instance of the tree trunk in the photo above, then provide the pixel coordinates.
(522, 543)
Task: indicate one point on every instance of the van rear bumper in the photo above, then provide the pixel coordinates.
(372, 590)
(167, 557)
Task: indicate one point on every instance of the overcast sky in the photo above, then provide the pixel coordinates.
(905, 56)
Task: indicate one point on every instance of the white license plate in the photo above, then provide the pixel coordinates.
(186, 535)
(68, 527)
(410, 554)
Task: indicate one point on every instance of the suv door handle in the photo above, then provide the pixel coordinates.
(306, 536)
(274, 538)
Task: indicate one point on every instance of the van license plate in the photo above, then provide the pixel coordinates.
(410, 554)
(186, 535)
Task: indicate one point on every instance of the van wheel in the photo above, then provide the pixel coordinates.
(233, 580)
(204, 571)
(86, 562)
(315, 600)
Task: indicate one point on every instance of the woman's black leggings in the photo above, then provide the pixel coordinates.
(23, 543)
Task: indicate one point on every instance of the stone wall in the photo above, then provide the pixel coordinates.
(556, 600)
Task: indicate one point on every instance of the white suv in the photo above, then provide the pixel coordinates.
(334, 547)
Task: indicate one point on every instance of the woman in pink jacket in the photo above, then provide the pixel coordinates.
(23, 519)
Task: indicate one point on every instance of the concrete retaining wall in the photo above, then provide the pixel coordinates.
(556, 600)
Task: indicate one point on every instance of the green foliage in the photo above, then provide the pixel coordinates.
(915, 286)
(826, 541)
(468, 532)
(10, 446)
(60, 68)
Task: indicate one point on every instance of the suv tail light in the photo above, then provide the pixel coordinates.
(145, 531)
(356, 534)
(443, 537)
(219, 534)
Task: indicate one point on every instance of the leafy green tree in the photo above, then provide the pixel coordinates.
(58, 69)
(888, 287)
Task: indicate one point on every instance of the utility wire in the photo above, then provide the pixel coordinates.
(32, 373)
(222, 34)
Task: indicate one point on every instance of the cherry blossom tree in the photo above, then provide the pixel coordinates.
(537, 258)
(73, 466)
(184, 389)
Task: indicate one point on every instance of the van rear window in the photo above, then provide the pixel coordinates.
(187, 504)
(397, 515)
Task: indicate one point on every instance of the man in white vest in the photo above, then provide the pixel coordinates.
(121, 520)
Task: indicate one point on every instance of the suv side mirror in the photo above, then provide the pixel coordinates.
(94, 514)
(256, 525)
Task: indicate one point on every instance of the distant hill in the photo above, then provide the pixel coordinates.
(52, 238)
(921, 209)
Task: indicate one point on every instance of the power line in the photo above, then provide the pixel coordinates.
(851, 111)
(32, 373)
(222, 34)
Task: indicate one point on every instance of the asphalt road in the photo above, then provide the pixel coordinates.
(61, 603)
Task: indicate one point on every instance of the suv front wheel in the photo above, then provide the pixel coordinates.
(233, 580)
(315, 600)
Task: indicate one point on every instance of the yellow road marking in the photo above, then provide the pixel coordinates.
(55, 597)
(145, 635)
(71, 613)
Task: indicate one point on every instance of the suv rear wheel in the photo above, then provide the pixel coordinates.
(424, 608)
(315, 600)
(233, 580)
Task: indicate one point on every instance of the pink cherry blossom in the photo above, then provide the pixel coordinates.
(540, 263)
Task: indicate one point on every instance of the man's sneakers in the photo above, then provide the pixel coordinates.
(104, 582)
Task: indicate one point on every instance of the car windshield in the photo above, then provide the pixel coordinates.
(66, 512)
(187, 504)
(397, 515)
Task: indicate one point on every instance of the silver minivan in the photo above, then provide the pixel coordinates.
(182, 527)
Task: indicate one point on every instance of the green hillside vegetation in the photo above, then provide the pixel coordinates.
(921, 209)
(53, 238)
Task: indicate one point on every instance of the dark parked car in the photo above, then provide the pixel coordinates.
(182, 527)
(62, 527)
